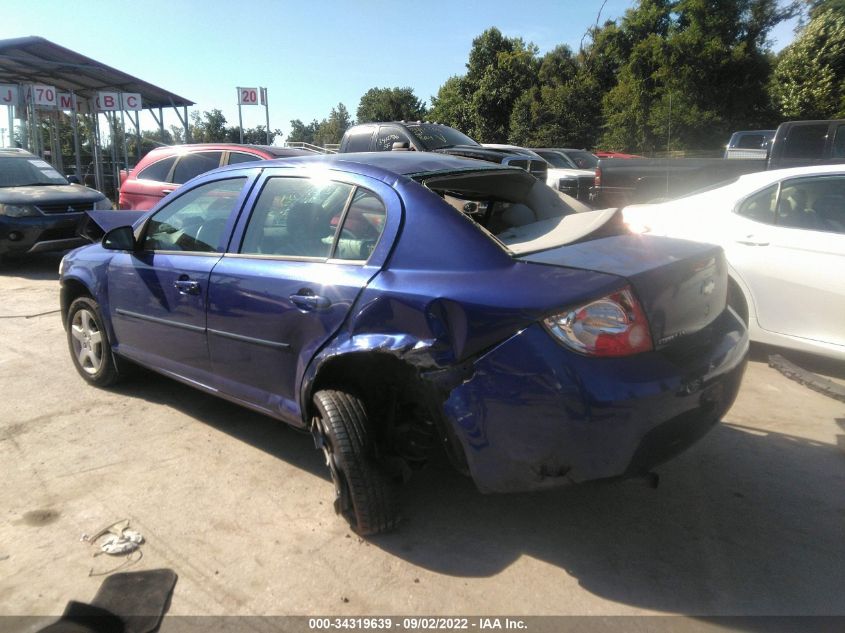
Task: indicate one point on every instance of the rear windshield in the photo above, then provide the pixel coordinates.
(583, 159)
(20, 171)
(519, 212)
(437, 136)
(557, 160)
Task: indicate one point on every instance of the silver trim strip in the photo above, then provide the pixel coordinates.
(249, 339)
(159, 320)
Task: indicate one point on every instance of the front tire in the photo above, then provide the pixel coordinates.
(89, 345)
(364, 496)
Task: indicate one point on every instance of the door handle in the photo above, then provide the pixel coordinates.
(309, 302)
(166, 191)
(751, 240)
(187, 286)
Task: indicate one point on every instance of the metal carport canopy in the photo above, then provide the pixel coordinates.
(37, 60)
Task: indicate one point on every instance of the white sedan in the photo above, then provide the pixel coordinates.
(783, 233)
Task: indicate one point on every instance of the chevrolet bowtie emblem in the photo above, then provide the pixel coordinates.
(707, 287)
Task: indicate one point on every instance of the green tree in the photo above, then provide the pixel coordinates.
(301, 133)
(210, 127)
(451, 104)
(694, 71)
(331, 130)
(499, 71)
(390, 104)
(809, 81)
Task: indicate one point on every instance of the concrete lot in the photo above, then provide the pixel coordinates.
(749, 521)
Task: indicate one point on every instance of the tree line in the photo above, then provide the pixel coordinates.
(668, 75)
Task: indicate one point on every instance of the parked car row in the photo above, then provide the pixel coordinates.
(39, 208)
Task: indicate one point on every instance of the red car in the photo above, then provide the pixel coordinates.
(603, 154)
(166, 168)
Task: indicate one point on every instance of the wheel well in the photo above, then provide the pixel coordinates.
(736, 300)
(71, 291)
(406, 410)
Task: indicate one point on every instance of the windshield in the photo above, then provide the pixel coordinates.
(582, 158)
(433, 136)
(20, 171)
(556, 159)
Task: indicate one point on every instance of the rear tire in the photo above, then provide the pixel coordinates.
(364, 496)
(89, 345)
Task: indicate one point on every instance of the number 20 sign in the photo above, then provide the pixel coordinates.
(247, 96)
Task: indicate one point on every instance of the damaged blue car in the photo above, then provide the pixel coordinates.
(393, 304)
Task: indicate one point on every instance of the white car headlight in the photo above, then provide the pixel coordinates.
(18, 210)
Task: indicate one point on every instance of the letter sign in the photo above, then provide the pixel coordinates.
(247, 96)
(106, 101)
(9, 95)
(67, 101)
(131, 101)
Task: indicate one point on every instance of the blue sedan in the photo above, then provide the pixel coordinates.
(393, 303)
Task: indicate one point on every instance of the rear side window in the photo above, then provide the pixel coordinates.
(241, 157)
(158, 171)
(194, 164)
(816, 204)
(360, 141)
(362, 226)
(806, 141)
(760, 207)
(387, 136)
(196, 221)
(839, 142)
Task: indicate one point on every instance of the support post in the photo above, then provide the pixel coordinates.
(75, 123)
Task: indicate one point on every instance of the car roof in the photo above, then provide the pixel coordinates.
(406, 163)
(268, 149)
(761, 178)
(16, 151)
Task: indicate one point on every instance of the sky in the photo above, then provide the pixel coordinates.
(309, 54)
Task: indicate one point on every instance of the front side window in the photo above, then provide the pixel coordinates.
(296, 217)
(760, 206)
(195, 163)
(196, 221)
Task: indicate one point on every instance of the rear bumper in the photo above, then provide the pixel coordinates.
(534, 415)
(38, 234)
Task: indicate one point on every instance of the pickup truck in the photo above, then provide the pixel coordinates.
(433, 137)
(623, 181)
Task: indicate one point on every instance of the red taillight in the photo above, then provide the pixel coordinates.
(614, 325)
(597, 179)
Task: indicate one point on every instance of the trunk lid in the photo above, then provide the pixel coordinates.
(681, 285)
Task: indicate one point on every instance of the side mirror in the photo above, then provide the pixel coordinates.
(121, 238)
(73, 180)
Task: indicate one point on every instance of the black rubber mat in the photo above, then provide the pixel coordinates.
(131, 602)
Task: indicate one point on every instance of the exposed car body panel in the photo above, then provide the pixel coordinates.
(565, 418)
